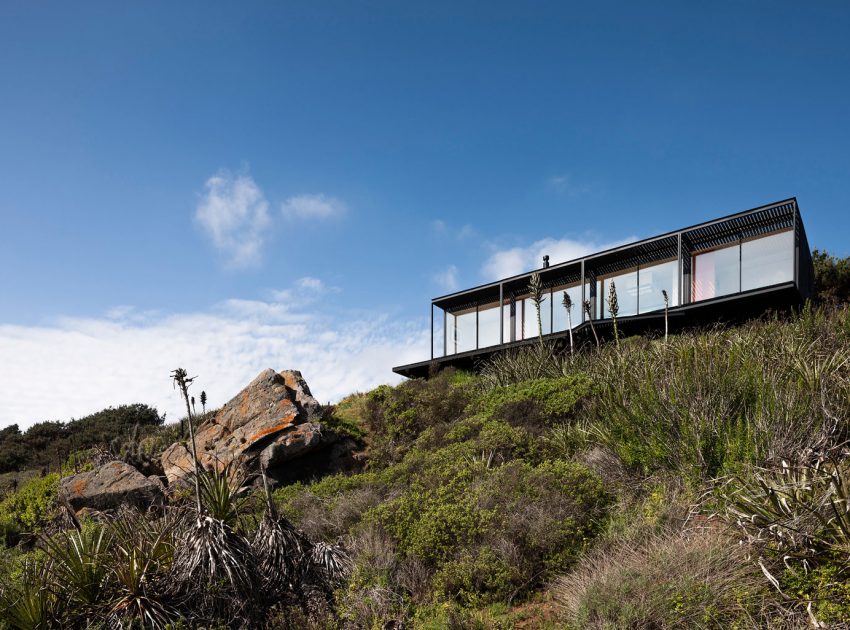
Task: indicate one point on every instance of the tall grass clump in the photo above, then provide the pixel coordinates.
(709, 401)
(671, 579)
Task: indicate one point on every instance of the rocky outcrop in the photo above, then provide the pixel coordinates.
(110, 486)
(271, 422)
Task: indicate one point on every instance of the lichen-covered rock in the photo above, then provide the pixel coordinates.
(274, 420)
(110, 486)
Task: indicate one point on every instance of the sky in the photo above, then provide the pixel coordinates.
(228, 187)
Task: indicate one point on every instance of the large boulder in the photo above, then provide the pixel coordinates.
(271, 422)
(110, 486)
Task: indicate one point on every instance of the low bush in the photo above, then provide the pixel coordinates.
(673, 580)
(28, 509)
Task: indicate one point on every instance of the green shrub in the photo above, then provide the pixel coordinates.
(29, 508)
(826, 586)
(556, 397)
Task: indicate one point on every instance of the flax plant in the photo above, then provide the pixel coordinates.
(535, 288)
(182, 381)
(568, 305)
(590, 319)
(666, 308)
(614, 309)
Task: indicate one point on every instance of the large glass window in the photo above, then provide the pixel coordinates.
(767, 260)
(529, 317)
(559, 313)
(465, 330)
(716, 273)
(627, 293)
(460, 331)
(438, 339)
(488, 325)
(657, 278)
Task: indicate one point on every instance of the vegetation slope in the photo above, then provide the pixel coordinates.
(699, 481)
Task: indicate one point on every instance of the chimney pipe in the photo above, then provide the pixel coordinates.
(546, 261)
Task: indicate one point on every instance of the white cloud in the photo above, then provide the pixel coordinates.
(564, 184)
(314, 284)
(516, 260)
(79, 366)
(312, 207)
(442, 229)
(446, 279)
(233, 213)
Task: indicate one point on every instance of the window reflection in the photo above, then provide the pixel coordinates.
(559, 312)
(488, 325)
(767, 260)
(657, 278)
(627, 293)
(716, 273)
(439, 333)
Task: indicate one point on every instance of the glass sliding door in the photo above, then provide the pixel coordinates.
(439, 337)
(529, 317)
(657, 278)
(559, 312)
(460, 331)
(488, 324)
(768, 260)
(715, 273)
(627, 293)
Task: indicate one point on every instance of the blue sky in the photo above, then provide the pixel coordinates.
(234, 186)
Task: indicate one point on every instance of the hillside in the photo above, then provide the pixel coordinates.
(698, 482)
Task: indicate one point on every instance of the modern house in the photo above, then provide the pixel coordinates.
(727, 269)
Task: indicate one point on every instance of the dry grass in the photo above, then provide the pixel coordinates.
(677, 579)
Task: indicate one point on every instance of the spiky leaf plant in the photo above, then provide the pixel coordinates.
(181, 380)
(215, 571)
(586, 305)
(666, 309)
(279, 547)
(143, 553)
(568, 305)
(614, 309)
(800, 512)
(80, 564)
(536, 291)
(223, 492)
(30, 604)
(332, 560)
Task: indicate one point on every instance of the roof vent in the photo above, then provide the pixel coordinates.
(546, 261)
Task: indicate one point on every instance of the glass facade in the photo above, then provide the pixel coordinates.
(767, 260)
(716, 273)
(751, 264)
(559, 312)
(439, 337)
(653, 280)
(626, 286)
(529, 317)
(745, 265)
(488, 325)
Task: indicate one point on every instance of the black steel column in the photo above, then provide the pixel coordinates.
(680, 271)
(432, 331)
(796, 252)
(476, 325)
(445, 334)
(583, 298)
(501, 313)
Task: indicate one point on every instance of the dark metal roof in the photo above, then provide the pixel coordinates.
(771, 219)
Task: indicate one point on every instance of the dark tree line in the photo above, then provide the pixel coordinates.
(48, 444)
(832, 277)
